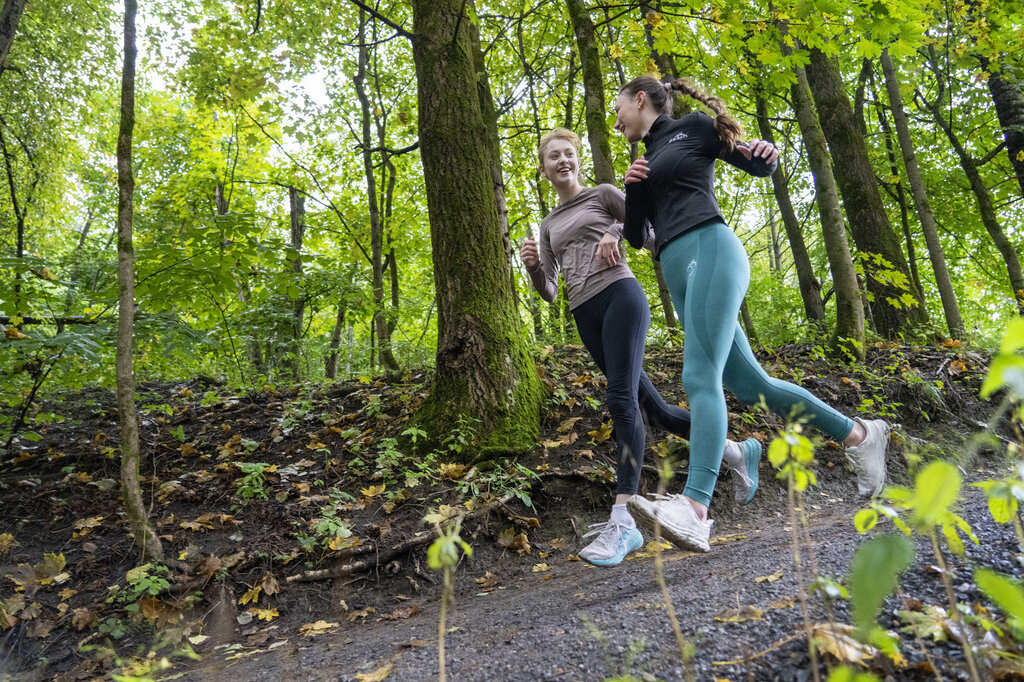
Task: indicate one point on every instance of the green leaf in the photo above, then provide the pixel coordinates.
(1005, 370)
(865, 520)
(1013, 338)
(1006, 592)
(873, 575)
(935, 489)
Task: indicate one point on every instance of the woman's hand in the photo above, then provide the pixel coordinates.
(528, 253)
(637, 171)
(608, 249)
(759, 149)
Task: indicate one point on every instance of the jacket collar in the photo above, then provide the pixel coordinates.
(657, 128)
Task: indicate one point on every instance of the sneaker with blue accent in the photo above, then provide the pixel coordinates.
(745, 473)
(677, 519)
(614, 541)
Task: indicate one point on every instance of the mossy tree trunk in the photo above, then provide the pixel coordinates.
(849, 332)
(483, 370)
(810, 287)
(896, 303)
(593, 91)
(10, 15)
(131, 491)
(1008, 96)
(950, 306)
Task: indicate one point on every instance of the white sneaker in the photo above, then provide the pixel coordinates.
(868, 458)
(614, 541)
(745, 472)
(678, 520)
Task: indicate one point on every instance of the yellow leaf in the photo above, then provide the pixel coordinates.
(7, 543)
(443, 513)
(265, 614)
(13, 334)
(373, 491)
(469, 504)
(550, 443)
(615, 52)
(541, 568)
(252, 595)
(378, 675)
(740, 615)
(317, 628)
(453, 471)
(1020, 155)
(769, 578)
(601, 434)
(839, 640)
(568, 424)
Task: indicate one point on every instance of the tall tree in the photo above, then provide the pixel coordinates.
(593, 91)
(950, 306)
(849, 332)
(810, 288)
(9, 18)
(895, 303)
(297, 222)
(1008, 96)
(131, 491)
(483, 370)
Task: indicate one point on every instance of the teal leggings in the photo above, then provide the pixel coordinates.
(707, 273)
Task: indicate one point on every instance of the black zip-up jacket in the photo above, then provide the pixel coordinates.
(679, 192)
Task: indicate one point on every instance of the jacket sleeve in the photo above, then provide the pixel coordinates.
(635, 226)
(753, 166)
(544, 275)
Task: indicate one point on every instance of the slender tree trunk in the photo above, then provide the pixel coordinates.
(810, 287)
(483, 369)
(748, 324)
(593, 91)
(131, 491)
(297, 203)
(954, 322)
(894, 307)
(985, 207)
(1009, 100)
(849, 334)
(380, 327)
(76, 269)
(9, 18)
(331, 366)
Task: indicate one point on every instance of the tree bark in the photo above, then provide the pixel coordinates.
(894, 305)
(593, 91)
(954, 322)
(9, 18)
(380, 326)
(331, 365)
(131, 492)
(483, 370)
(297, 204)
(810, 287)
(849, 332)
(1009, 100)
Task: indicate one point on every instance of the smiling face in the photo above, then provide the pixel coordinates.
(629, 118)
(560, 163)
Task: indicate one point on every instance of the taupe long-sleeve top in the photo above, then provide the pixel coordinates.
(679, 192)
(568, 242)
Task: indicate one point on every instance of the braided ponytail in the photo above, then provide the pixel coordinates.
(728, 128)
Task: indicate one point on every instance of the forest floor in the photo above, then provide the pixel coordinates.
(295, 533)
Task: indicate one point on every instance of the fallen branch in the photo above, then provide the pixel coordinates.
(397, 550)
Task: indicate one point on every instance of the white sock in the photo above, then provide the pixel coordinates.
(621, 516)
(733, 454)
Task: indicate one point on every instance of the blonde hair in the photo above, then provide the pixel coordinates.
(728, 128)
(558, 134)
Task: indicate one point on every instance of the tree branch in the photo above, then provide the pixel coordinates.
(383, 19)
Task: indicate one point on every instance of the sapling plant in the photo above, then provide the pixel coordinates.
(443, 555)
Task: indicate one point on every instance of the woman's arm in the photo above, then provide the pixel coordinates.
(758, 158)
(541, 265)
(635, 224)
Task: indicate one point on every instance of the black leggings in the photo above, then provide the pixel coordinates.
(613, 326)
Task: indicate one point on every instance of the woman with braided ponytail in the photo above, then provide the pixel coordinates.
(671, 188)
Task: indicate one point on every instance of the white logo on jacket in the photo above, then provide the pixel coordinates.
(677, 137)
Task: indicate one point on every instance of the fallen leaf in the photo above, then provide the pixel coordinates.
(784, 603)
(372, 491)
(839, 640)
(82, 618)
(85, 526)
(516, 542)
(488, 582)
(377, 675)
(265, 614)
(602, 433)
(40, 629)
(365, 613)
(7, 543)
(550, 444)
(721, 539)
(540, 568)
(208, 566)
(402, 614)
(453, 470)
(269, 584)
(740, 615)
(252, 595)
(317, 628)
(567, 425)
(443, 513)
(558, 544)
(769, 578)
